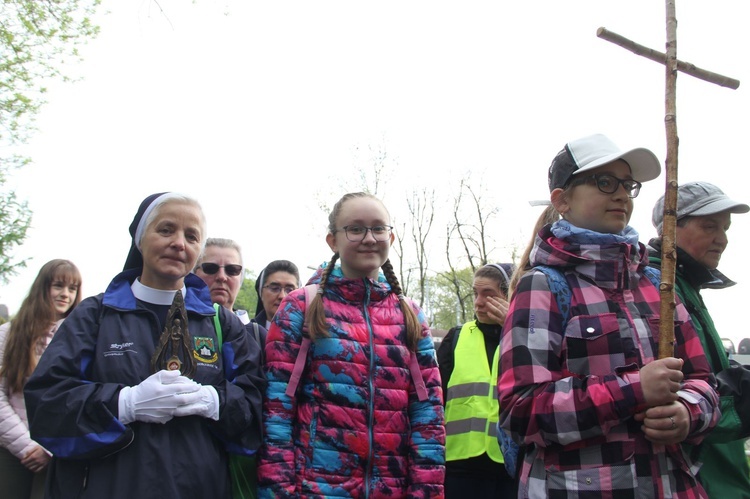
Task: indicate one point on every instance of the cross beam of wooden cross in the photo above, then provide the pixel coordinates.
(669, 226)
(661, 58)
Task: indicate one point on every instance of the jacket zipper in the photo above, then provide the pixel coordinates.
(371, 403)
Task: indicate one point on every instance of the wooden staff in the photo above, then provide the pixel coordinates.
(669, 227)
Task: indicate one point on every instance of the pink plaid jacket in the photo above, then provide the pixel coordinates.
(570, 396)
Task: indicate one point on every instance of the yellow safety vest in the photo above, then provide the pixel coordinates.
(471, 409)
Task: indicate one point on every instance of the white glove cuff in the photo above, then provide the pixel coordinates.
(125, 409)
(213, 409)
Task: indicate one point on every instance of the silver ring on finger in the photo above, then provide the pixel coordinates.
(674, 425)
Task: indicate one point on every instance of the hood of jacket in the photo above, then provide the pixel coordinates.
(609, 264)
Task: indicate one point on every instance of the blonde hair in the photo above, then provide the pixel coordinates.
(318, 327)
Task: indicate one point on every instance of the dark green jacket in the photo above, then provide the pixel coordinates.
(725, 472)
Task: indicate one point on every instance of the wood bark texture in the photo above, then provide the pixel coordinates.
(669, 253)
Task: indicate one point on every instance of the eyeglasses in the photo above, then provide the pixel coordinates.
(277, 288)
(357, 233)
(232, 269)
(608, 184)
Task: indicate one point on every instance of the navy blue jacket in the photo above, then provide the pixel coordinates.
(107, 343)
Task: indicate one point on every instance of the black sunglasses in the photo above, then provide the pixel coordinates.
(232, 269)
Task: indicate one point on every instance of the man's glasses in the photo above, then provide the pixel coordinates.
(278, 288)
(608, 184)
(232, 269)
(357, 233)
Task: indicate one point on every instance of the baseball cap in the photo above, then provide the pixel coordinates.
(596, 150)
(698, 199)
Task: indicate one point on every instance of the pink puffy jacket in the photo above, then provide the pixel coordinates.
(14, 426)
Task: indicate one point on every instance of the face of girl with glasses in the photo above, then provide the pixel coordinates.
(275, 288)
(585, 205)
(221, 270)
(362, 238)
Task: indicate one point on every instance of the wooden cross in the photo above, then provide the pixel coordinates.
(669, 247)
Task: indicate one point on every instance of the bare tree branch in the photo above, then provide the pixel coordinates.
(422, 212)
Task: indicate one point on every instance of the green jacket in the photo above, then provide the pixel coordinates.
(725, 472)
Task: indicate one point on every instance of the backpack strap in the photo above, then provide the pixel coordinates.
(653, 274)
(217, 325)
(220, 336)
(256, 333)
(455, 339)
(559, 287)
(299, 364)
(416, 376)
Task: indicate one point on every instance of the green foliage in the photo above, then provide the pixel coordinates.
(442, 304)
(37, 37)
(15, 219)
(247, 298)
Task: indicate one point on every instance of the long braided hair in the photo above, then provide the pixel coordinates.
(318, 327)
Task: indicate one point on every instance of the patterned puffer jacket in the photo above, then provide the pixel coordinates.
(355, 427)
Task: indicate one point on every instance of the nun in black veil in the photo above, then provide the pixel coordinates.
(119, 427)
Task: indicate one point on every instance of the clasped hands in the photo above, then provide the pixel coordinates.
(666, 421)
(164, 395)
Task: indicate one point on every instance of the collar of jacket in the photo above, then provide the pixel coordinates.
(695, 273)
(607, 265)
(493, 330)
(119, 295)
(261, 317)
(352, 290)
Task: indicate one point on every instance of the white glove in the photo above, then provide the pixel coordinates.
(207, 406)
(157, 397)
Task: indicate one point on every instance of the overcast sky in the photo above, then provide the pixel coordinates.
(262, 111)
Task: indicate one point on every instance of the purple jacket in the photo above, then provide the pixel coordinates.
(355, 427)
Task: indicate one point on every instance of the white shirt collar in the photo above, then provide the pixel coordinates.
(152, 295)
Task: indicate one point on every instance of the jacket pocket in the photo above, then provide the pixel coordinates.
(67, 478)
(593, 345)
(608, 467)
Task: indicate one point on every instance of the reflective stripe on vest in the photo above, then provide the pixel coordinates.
(471, 409)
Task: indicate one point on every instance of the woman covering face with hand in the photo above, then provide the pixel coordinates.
(118, 429)
(468, 358)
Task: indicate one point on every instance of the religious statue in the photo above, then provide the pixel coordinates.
(174, 351)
